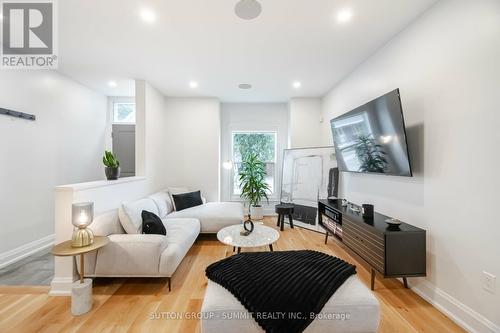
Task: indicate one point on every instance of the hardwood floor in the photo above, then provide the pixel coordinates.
(137, 305)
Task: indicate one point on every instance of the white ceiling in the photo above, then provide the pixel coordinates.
(203, 40)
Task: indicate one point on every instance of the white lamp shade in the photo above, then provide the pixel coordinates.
(82, 214)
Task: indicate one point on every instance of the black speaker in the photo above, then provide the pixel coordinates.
(368, 210)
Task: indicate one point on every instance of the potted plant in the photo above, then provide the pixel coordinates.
(253, 185)
(112, 165)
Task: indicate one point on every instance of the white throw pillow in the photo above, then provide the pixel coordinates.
(178, 190)
(164, 202)
(130, 214)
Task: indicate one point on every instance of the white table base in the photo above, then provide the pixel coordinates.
(81, 297)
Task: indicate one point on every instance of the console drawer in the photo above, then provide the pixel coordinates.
(369, 247)
(376, 241)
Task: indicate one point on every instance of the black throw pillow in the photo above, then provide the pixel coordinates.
(187, 200)
(151, 224)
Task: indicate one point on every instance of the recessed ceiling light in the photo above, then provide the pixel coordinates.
(245, 86)
(112, 84)
(297, 84)
(344, 15)
(248, 9)
(193, 84)
(147, 15)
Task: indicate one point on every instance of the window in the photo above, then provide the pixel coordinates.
(261, 143)
(124, 113)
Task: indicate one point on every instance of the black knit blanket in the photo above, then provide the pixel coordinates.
(283, 291)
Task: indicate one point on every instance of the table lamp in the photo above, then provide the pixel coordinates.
(82, 215)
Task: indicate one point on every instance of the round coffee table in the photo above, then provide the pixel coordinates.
(261, 236)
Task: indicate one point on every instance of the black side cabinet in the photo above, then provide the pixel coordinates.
(391, 251)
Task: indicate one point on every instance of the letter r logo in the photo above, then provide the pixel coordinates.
(27, 28)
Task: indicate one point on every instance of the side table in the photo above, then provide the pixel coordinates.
(81, 291)
(284, 209)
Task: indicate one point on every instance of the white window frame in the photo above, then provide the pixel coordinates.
(275, 194)
(120, 101)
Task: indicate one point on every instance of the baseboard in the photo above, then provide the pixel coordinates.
(266, 212)
(61, 286)
(460, 313)
(12, 256)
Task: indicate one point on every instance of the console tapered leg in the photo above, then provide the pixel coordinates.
(373, 279)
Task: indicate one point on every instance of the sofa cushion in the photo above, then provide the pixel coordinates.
(106, 224)
(164, 202)
(130, 214)
(181, 235)
(131, 255)
(152, 224)
(177, 189)
(187, 200)
(213, 216)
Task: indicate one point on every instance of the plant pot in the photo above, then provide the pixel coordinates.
(112, 173)
(256, 212)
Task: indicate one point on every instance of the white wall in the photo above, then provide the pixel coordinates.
(189, 151)
(253, 117)
(447, 67)
(304, 121)
(177, 141)
(64, 145)
(152, 158)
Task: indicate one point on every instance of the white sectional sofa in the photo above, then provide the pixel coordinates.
(133, 254)
(213, 216)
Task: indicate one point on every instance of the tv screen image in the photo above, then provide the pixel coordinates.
(372, 138)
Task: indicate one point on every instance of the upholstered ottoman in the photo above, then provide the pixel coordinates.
(353, 308)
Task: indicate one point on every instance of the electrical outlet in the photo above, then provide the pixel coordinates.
(489, 281)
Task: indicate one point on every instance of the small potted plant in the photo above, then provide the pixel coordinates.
(112, 165)
(253, 185)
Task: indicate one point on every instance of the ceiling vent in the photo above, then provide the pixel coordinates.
(248, 9)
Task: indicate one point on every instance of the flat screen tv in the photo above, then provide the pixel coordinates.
(372, 138)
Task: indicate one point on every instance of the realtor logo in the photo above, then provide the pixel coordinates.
(28, 34)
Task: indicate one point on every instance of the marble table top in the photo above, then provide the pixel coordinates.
(261, 236)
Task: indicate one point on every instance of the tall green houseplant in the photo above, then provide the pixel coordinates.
(252, 183)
